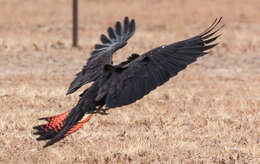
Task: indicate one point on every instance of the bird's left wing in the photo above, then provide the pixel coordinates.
(117, 38)
(131, 82)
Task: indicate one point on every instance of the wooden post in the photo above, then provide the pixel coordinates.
(75, 23)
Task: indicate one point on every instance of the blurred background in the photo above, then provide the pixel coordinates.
(53, 19)
(209, 113)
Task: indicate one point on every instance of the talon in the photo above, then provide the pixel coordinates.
(104, 111)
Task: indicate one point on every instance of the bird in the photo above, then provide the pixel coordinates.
(124, 83)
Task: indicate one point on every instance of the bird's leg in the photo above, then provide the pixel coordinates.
(100, 110)
(104, 110)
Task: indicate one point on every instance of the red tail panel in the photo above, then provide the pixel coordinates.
(78, 125)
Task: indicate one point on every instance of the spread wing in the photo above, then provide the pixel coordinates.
(131, 82)
(116, 39)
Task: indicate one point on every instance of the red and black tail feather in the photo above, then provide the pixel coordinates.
(62, 125)
(54, 125)
(71, 125)
(55, 134)
(54, 122)
(61, 116)
(78, 125)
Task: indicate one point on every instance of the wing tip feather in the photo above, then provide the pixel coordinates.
(212, 27)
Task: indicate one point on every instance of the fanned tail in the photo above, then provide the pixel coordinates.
(62, 125)
(54, 125)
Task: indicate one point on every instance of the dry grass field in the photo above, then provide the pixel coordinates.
(209, 113)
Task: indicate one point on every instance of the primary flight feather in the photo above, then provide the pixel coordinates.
(123, 84)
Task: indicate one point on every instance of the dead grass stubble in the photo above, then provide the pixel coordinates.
(209, 113)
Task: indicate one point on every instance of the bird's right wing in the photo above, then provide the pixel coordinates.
(103, 53)
(126, 84)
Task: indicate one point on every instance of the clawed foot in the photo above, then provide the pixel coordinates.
(102, 111)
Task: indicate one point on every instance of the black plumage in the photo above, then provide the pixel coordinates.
(103, 53)
(122, 84)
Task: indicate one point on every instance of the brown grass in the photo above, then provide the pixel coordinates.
(209, 113)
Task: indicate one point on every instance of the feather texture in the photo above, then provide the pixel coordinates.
(157, 66)
(102, 54)
(122, 84)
